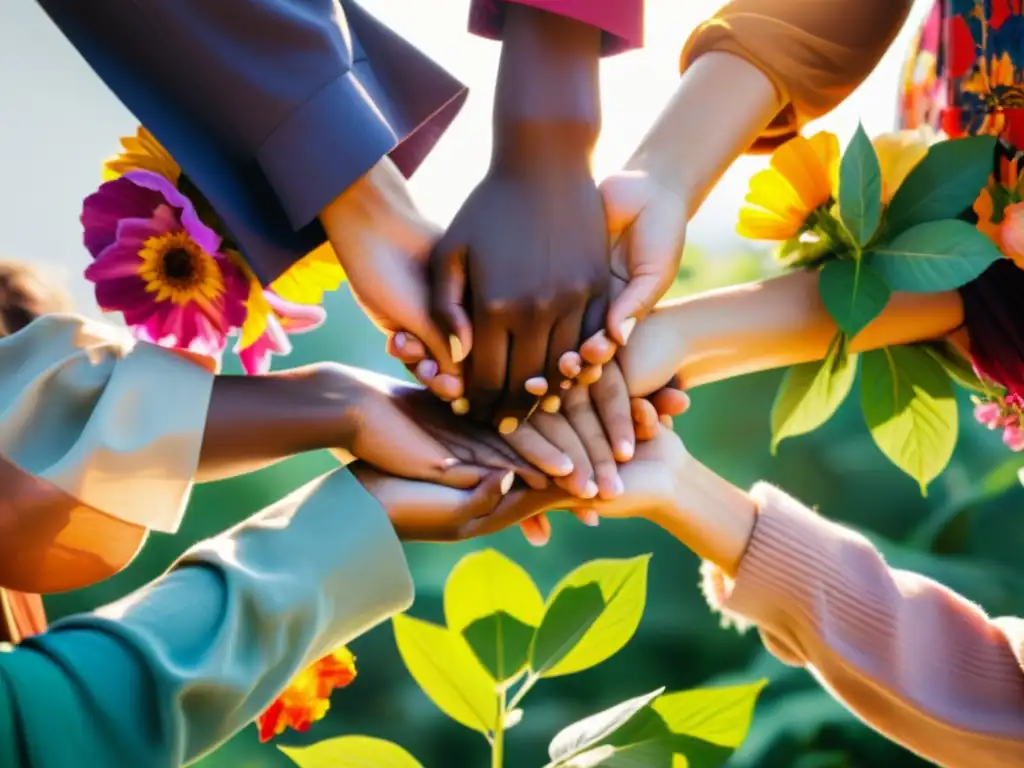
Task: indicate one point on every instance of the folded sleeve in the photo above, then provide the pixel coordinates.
(816, 53)
(113, 424)
(169, 673)
(916, 661)
(272, 109)
(621, 21)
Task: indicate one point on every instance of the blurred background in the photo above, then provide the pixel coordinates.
(58, 122)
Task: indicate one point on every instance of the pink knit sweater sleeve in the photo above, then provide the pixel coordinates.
(917, 662)
(622, 21)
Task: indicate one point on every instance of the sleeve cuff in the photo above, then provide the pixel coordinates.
(621, 21)
(330, 537)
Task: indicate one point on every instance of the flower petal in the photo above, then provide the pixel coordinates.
(108, 205)
(206, 238)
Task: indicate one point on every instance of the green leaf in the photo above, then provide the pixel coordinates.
(590, 616)
(956, 365)
(698, 729)
(583, 734)
(944, 184)
(443, 665)
(860, 188)
(853, 293)
(496, 606)
(932, 257)
(810, 393)
(908, 404)
(351, 752)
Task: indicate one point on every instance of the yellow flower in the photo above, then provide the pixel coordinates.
(898, 154)
(142, 152)
(801, 178)
(308, 279)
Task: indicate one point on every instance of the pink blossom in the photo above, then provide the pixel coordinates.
(989, 414)
(1014, 438)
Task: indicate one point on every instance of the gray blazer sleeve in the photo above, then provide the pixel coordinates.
(170, 672)
(271, 107)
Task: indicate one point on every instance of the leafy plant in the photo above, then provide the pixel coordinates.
(917, 244)
(501, 638)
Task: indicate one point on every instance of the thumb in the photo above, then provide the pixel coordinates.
(447, 294)
(641, 293)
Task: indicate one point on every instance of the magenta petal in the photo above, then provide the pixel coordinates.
(113, 201)
(115, 261)
(205, 237)
(124, 294)
(256, 358)
(296, 318)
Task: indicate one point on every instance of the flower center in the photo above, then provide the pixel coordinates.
(177, 269)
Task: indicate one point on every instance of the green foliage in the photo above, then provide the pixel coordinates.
(497, 608)
(590, 616)
(810, 393)
(943, 185)
(701, 728)
(934, 256)
(447, 671)
(853, 293)
(908, 404)
(352, 752)
(860, 188)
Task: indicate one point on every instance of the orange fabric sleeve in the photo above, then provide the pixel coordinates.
(816, 52)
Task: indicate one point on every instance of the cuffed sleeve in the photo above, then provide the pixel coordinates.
(115, 425)
(915, 660)
(621, 21)
(816, 53)
(167, 674)
(272, 109)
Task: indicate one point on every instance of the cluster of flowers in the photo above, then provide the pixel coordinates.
(163, 259)
(794, 202)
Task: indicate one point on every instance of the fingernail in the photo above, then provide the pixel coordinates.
(449, 463)
(626, 328)
(551, 404)
(538, 385)
(535, 538)
(458, 355)
(460, 406)
(426, 369)
(590, 517)
(564, 466)
(617, 486)
(590, 490)
(625, 449)
(399, 339)
(508, 425)
(566, 385)
(506, 482)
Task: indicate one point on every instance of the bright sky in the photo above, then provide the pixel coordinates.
(58, 121)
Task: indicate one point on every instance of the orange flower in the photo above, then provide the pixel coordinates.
(801, 179)
(307, 697)
(1000, 211)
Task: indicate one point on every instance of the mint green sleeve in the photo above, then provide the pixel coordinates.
(168, 673)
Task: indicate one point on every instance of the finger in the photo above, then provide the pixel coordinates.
(537, 529)
(560, 433)
(562, 360)
(598, 349)
(611, 399)
(492, 451)
(485, 369)
(645, 419)
(570, 365)
(406, 348)
(532, 446)
(589, 375)
(442, 385)
(484, 499)
(537, 386)
(666, 421)
(447, 295)
(527, 360)
(670, 402)
(588, 517)
(584, 420)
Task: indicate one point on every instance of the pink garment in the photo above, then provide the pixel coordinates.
(914, 660)
(622, 21)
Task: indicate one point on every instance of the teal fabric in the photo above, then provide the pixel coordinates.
(167, 674)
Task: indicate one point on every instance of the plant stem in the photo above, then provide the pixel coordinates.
(528, 683)
(498, 742)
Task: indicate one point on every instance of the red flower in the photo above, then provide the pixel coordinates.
(1001, 11)
(994, 317)
(962, 49)
(307, 697)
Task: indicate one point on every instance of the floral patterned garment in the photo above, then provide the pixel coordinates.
(965, 76)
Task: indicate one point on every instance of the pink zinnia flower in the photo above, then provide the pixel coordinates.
(160, 266)
(988, 414)
(283, 318)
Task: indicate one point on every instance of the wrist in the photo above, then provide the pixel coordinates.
(547, 95)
